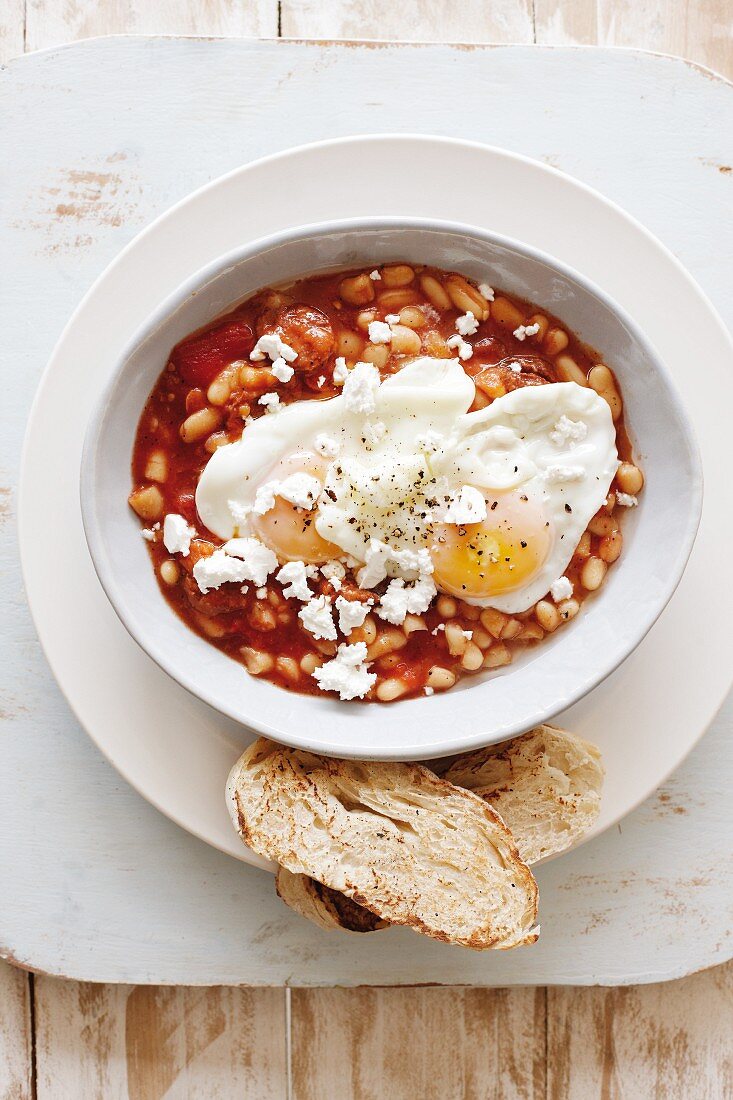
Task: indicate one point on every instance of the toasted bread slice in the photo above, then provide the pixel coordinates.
(545, 785)
(323, 906)
(410, 847)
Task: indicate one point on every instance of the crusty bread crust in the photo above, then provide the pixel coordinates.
(323, 906)
(545, 785)
(410, 847)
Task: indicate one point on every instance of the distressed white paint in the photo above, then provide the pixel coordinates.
(98, 884)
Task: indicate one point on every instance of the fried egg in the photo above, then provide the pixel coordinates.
(492, 503)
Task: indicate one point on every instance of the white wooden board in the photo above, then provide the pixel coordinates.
(99, 138)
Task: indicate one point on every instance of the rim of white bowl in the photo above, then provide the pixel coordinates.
(256, 722)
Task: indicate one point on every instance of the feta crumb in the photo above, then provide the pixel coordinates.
(321, 382)
(270, 346)
(515, 366)
(429, 441)
(380, 332)
(568, 431)
(340, 371)
(334, 572)
(281, 370)
(374, 432)
(392, 318)
(294, 574)
(487, 291)
(148, 533)
(526, 330)
(379, 558)
(258, 559)
(439, 627)
(466, 325)
(375, 275)
(401, 599)
(467, 506)
(238, 512)
(346, 673)
(261, 593)
(301, 489)
(427, 690)
(265, 498)
(271, 401)
(352, 613)
(626, 500)
(219, 569)
(558, 474)
(326, 445)
(177, 535)
(317, 618)
(465, 351)
(360, 389)
(562, 589)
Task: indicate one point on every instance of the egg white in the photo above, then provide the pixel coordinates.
(420, 444)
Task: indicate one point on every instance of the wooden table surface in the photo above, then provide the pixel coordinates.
(63, 1039)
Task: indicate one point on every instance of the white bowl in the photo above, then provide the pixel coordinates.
(658, 535)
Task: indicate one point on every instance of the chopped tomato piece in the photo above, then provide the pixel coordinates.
(198, 359)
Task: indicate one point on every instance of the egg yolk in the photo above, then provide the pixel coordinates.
(498, 555)
(288, 530)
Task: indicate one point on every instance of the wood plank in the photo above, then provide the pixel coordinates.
(12, 29)
(15, 1033)
(409, 21)
(668, 1040)
(144, 1042)
(696, 29)
(459, 1044)
(54, 22)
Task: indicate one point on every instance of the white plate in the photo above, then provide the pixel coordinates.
(174, 749)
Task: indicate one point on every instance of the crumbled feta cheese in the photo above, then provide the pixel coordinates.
(340, 371)
(281, 370)
(238, 512)
(321, 381)
(381, 559)
(327, 446)
(177, 535)
(148, 533)
(467, 506)
(258, 559)
(334, 572)
(401, 599)
(466, 325)
(271, 401)
(360, 389)
(375, 432)
(265, 498)
(568, 431)
(392, 318)
(429, 441)
(375, 275)
(346, 673)
(467, 634)
(352, 613)
(301, 489)
(562, 589)
(487, 291)
(261, 593)
(558, 474)
(439, 627)
(317, 618)
(465, 351)
(219, 569)
(626, 500)
(526, 330)
(380, 332)
(515, 367)
(270, 346)
(294, 574)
